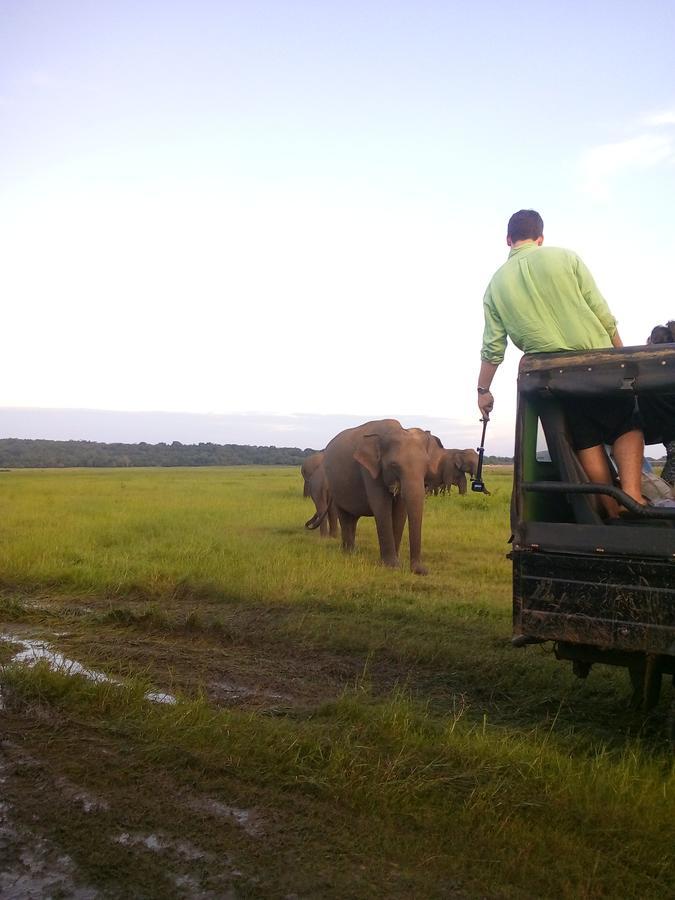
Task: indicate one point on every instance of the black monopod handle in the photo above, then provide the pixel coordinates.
(477, 483)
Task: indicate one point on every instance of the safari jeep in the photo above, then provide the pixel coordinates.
(602, 590)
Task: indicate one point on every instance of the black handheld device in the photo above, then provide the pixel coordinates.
(477, 483)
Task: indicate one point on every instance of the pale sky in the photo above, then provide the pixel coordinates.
(295, 207)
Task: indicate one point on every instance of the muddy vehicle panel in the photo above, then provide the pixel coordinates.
(603, 591)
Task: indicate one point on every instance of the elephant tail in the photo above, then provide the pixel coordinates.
(316, 519)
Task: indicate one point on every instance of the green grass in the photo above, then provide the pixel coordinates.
(225, 534)
(394, 726)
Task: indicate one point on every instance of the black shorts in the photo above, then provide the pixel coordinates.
(658, 417)
(599, 420)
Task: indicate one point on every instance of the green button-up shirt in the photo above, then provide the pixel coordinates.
(544, 299)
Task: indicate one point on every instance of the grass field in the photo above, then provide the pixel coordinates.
(341, 729)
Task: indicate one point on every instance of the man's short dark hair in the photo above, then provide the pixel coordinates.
(525, 225)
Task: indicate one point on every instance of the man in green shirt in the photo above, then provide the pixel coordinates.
(545, 300)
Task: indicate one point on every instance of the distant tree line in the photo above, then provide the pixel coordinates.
(42, 454)
(16, 453)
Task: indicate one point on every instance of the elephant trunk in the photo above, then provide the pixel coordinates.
(412, 492)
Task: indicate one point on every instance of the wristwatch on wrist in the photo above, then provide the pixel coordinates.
(482, 390)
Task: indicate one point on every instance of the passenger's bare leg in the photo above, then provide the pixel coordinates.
(628, 452)
(596, 466)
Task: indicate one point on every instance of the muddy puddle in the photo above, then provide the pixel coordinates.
(31, 868)
(34, 650)
(183, 852)
(246, 819)
(228, 692)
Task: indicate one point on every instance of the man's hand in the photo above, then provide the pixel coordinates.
(485, 399)
(485, 404)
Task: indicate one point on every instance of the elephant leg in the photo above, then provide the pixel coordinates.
(384, 522)
(462, 483)
(414, 503)
(348, 528)
(332, 520)
(385, 537)
(322, 504)
(381, 504)
(398, 517)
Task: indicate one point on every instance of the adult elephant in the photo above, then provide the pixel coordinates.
(379, 469)
(316, 487)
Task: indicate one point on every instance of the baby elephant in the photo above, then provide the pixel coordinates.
(316, 487)
(379, 469)
(454, 467)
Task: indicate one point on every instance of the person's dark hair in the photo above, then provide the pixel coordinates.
(662, 334)
(524, 225)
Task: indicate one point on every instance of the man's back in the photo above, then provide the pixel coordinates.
(545, 299)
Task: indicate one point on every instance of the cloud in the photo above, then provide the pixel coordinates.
(606, 162)
(655, 120)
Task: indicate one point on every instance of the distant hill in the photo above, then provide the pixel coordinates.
(41, 454)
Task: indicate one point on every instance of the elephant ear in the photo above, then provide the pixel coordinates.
(368, 454)
(449, 471)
